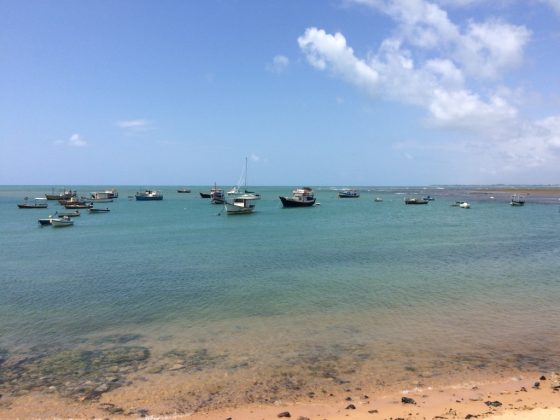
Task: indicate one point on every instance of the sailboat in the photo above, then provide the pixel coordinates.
(245, 194)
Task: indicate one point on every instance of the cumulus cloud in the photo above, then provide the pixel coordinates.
(437, 85)
(429, 61)
(75, 140)
(279, 64)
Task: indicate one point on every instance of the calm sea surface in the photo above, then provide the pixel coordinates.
(351, 290)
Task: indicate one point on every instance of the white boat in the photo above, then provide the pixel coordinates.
(62, 222)
(517, 200)
(378, 199)
(461, 204)
(242, 192)
(239, 205)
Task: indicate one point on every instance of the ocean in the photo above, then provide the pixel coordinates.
(280, 303)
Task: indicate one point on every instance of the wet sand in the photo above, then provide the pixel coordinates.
(515, 397)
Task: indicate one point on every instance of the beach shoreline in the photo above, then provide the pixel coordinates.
(531, 395)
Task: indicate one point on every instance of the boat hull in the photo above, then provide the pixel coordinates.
(32, 206)
(416, 201)
(143, 198)
(45, 222)
(61, 223)
(232, 209)
(290, 202)
(204, 195)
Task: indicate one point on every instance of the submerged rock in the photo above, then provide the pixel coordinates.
(407, 400)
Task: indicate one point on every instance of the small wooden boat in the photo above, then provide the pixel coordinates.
(45, 221)
(62, 222)
(38, 203)
(78, 206)
(349, 194)
(217, 196)
(65, 195)
(428, 198)
(74, 213)
(301, 197)
(94, 210)
(378, 199)
(414, 200)
(183, 191)
(517, 200)
(204, 195)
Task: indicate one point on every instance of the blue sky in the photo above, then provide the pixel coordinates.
(339, 92)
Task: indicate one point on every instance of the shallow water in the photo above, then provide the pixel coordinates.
(351, 290)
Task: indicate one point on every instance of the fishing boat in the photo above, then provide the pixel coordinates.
(38, 203)
(239, 205)
(78, 206)
(64, 195)
(62, 222)
(45, 221)
(149, 195)
(301, 197)
(74, 213)
(99, 197)
(415, 200)
(183, 190)
(205, 195)
(378, 199)
(94, 210)
(349, 193)
(461, 204)
(517, 200)
(428, 198)
(217, 196)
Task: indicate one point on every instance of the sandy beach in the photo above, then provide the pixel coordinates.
(530, 396)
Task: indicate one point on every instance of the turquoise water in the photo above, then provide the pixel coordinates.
(378, 285)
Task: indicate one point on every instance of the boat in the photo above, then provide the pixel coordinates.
(243, 192)
(428, 198)
(45, 221)
(461, 204)
(94, 210)
(301, 197)
(348, 193)
(378, 199)
(74, 213)
(38, 203)
(149, 195)
(62, 222)
(217, 196)
(183, 190)
(415, 200)
(64, 195)
(517, 200)
(205, 195)
(71, 200)
(100, 197)
(239, 205)
(78, 206)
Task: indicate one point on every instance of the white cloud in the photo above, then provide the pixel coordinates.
(437, 85)
(75, 140)
(132, 126)
(279, 64)
(555, 4)
(254, 157)
(430, 62)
